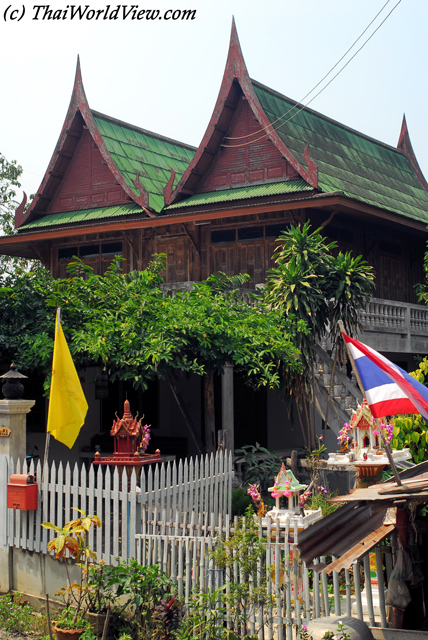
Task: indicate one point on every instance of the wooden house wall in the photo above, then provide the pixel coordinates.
(194, 251)
(396, 256)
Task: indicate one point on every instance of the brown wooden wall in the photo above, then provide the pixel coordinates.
(88, 181)
(242, 163)
(245, 245)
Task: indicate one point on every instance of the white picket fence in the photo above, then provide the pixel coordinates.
(199, 485)
(174, 515)
(183, 550)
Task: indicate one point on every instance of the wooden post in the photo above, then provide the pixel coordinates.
(227, 416)
(209, 412)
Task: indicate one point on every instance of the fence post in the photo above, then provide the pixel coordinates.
(4, 546)
(13, 445)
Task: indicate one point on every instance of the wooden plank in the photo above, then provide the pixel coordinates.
(324, 586)
(336, 589)
(348, 593)
(269, 562)
(38, 514)
(107, 520)
(115, 520)
(99, 510)
(168, 487)
(380, 581)
(132, 523)
(91, 504)
(368, 590)
(124, 515)
(316, 592)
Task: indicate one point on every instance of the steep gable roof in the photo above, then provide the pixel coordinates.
(235, 84)
(139, 161)
(142, 157)
(326, 155)
(348, 161)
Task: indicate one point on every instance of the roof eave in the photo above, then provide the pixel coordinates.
(331, 202)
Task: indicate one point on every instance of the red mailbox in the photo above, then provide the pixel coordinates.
(22, 492)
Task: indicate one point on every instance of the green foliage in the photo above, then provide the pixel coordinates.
(88, 634)
(204, 617)
(10, 173)
(16, 616)
(318, 288)
(411, 430)
(240, 502)
(245, 549)
(319, 500)
(141, 590)
(99, 592)
(72, 538)
(259, 465)
(124, 323)
(69, 619)
(9, 182)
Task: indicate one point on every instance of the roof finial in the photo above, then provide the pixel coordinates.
(405, 145)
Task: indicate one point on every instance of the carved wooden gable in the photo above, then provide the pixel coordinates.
(241, 163)
(88, 181)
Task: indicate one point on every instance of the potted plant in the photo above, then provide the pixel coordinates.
(72, 538)
(99, 595)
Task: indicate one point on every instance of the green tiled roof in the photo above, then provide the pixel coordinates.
(348, 161)
(68, 217)
(135, 151)
(241, 193)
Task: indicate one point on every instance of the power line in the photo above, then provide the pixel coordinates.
(269, 128)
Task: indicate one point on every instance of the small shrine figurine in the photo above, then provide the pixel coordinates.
(131, 439)
(361, 446)
(287, 486)
(363, 428)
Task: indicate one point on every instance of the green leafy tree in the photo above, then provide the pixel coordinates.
(10, 173)
(9, 182)
(125, 324)
(411, 430)
(319, 289)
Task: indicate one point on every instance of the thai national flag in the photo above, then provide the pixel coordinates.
(389, 389)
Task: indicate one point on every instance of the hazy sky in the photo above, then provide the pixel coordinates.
(164, 75)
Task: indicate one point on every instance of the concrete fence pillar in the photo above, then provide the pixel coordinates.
(13, 445)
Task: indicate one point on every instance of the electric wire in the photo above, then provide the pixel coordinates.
(270, 129)
(248, 135)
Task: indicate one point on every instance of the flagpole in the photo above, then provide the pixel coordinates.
(384, 442)
(48, 435)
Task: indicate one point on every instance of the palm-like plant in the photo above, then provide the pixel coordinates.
(318, 288)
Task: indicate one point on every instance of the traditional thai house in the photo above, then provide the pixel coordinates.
(264, 162)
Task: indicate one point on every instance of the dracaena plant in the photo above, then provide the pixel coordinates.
(319, 288)
(72, 539)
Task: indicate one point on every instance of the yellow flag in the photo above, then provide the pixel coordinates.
(67, 402)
